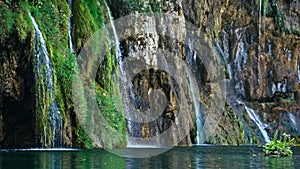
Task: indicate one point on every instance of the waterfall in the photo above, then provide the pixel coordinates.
(195, 95)
(125, 85)
(44, 81)
(224, 54)
(70, 2)
(122, 74)
(293, 119)
(253, 116)
(257, 121)
(241, 53)
(299, 68)
(294, 123)
(117, 43)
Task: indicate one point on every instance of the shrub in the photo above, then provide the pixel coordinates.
(279, 147)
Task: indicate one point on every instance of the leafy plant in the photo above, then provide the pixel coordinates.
(279, 147)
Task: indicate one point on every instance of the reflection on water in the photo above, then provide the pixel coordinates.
(178, 157)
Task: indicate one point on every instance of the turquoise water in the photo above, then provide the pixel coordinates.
(178, 157)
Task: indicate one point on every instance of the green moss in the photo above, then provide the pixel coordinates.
(106, 68)
(65, 71)
(7, 17)
(52, 18)
(23, 21)
(110, 112)
(106, 126)
(88, 18)
(84, 139)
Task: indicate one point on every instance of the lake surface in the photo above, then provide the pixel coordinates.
(177, 157)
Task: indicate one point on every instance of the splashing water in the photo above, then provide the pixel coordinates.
(44, 81)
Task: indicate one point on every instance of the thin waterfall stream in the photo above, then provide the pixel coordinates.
(43, 70)
(258, 122)
(254, 117)
(196, 102)
(124, 83)
(70, 3)
(299, 67)
(116, 38)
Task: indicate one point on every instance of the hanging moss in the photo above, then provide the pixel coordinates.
(105, 71)
(23, 22)
(52, 19)
(7, 17)
(88, 18)
(107, 108)
(84, 139)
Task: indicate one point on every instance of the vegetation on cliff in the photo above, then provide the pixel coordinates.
(52, 19)
(260, 58)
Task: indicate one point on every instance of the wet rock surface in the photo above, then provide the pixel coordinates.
(17, 97)
(258, 44)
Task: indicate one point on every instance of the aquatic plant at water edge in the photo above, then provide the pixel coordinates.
(279, 147)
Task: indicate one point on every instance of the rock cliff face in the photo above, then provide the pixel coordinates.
(262, 53)
(259, 44)
(17, 94)
(254, 57)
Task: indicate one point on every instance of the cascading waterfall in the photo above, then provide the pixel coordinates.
(257, 121)
(240, 60)
(196, 102)
(224, 54)
(70, 3)
(44, 81)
